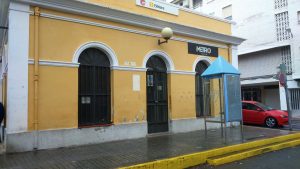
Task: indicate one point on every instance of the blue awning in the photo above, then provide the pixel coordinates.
(219, 67)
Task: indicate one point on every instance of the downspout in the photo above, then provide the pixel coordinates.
(36, 76)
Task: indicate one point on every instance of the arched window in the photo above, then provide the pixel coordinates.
(94, 100)
(200, 93)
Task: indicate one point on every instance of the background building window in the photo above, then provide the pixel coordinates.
(280, 3)
(282, 24)
(212, 13)
(251, 94)
(227, 12)
(299, 17)
(197, 4)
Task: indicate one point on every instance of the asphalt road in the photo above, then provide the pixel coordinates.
(283, 159)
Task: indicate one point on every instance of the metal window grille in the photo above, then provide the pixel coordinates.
(282, 24)
(295, 97)
(286, 58)
(280, 3)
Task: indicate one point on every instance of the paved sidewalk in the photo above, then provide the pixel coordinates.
(128, 152)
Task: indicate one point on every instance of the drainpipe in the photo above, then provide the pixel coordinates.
(36, 75)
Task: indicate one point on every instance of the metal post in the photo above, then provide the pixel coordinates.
(283, 81)
(225, 125)
(242, 129)
(205, 104)
(221, 111)
(288, 107)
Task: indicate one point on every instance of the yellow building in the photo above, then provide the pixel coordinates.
(88, 71)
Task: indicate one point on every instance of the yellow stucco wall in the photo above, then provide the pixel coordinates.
(58, 86)
(182, 94)
(184, 17)
(128, 105)
(57, 98)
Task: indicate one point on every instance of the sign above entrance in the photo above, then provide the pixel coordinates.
(159, 6)
(204, 50)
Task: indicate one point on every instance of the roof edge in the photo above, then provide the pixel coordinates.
(116, 15)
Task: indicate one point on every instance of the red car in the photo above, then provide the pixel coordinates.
(258, 113)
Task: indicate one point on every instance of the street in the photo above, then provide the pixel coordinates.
(287, 158)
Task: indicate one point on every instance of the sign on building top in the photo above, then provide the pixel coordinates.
(159, 6)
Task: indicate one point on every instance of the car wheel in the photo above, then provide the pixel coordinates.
(271, 122)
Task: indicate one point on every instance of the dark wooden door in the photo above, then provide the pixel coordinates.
(157, 96)
(94, 89)
(200, 93)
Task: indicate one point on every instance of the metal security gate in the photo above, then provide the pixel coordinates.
(294, 96)
(157, 96)
(94, 89)
(200, 86)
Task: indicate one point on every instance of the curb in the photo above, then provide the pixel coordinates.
(194, 159)
(250, 153)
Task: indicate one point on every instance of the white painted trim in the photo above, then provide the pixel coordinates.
(125, 68)
(205, 59)
(182, 72)
(17, 79)
(85, 22)
(101, 46)
(71, 64)
(122, 68)
(54, 63)
(163, 55)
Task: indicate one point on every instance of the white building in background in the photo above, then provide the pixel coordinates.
(272, 30)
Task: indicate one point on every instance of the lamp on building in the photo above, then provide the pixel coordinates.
(166, 33)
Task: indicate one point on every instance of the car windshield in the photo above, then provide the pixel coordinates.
(265, 107)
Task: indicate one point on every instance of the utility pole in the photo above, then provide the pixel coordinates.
(281, 76)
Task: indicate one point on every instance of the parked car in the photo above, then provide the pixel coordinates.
(258, 113)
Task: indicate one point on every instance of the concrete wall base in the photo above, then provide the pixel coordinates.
(187, 125)
(19, 142)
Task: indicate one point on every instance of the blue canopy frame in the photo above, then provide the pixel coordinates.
(221, 69)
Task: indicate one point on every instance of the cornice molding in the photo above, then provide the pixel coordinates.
(125, 17)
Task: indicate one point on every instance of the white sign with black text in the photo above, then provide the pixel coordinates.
(159, 6)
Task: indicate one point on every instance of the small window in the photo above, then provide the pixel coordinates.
(227, 12)
(197, 4)
(282, 25)
(281, 3)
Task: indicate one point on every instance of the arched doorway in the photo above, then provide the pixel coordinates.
(94, 100)
(157, 95)
(200, 93)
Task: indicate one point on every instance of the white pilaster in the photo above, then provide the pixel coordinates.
(17, 79)
(234, 56)
(282, 96)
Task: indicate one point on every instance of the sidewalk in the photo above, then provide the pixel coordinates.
(129, 152)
